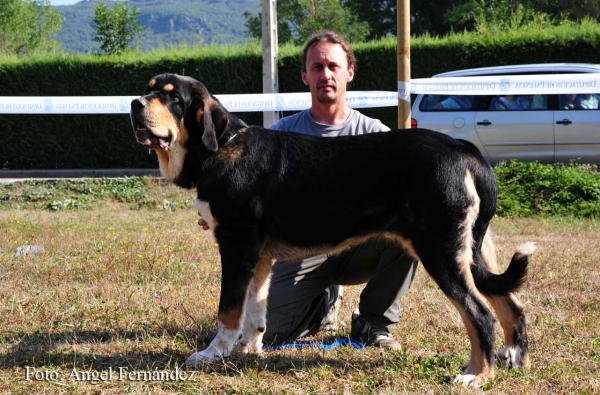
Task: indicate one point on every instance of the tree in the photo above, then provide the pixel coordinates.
(116, 28)
(498, 15)
(298, 19)
(379, 14)
(574, 9)
(429, 16)
(27, 25)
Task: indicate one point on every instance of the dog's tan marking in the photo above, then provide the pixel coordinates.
(262, 279)
(406, 243)
(394, 238)
(478, 371)
(168, 87)
(151, 83)
(488, 252)
(465, 256)
(509, 309)
(231, 152)
(183, 133)
(349, 243)
(159, 119)
(199, 115)
(170, 161)
(231, 319)
(276, 249)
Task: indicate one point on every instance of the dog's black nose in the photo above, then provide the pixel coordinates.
(139, 103)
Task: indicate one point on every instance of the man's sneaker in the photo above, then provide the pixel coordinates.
(333, 302)
(371, 336)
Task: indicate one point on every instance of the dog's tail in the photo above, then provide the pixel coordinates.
(511, 280)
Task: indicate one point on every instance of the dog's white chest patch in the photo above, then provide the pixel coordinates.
(204, 210)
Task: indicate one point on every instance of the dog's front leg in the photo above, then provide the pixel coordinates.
(234, 290)
(255, 321)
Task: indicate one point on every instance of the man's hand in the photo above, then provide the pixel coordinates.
(202, 223)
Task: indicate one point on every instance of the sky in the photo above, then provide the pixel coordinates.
(63, 2)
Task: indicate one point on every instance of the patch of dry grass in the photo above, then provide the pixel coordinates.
(137, 290)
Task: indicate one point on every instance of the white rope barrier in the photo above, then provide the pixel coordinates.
(549, 84)
(493, 85)
(234, 103)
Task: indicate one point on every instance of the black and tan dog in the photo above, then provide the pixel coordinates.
(269, 194)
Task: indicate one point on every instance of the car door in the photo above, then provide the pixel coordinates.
(525, 134)
(577, 132)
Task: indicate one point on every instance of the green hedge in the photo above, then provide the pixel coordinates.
(526, 189)
(533, 188)
(106, 141)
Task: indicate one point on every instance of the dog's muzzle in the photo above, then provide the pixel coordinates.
(142, 130)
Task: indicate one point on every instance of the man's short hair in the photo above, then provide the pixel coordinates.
(330, 37)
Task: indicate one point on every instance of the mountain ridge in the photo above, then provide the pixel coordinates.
(167, 23)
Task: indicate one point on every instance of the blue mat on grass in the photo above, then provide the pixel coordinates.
(301, 344)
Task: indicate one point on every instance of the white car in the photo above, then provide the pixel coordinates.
(545, 128)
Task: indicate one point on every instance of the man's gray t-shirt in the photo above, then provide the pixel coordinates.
(356, 124)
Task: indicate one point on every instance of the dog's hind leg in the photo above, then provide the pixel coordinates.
(255, 321)
(455, 280)
(512, 319)
(510, 313)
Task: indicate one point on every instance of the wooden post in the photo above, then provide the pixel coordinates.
(269, 56)
(403, 34)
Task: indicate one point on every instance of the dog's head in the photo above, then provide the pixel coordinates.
(177, 114)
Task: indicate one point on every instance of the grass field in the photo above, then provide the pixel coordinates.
(127, 286)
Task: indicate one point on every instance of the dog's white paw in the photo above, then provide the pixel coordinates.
(467, 380)
(211, 354)
(252, 335)
(255, 324)
(218, 349)
(251, 345)
(509, 358)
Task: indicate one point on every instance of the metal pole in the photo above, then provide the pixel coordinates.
(269, 55)
(403, 33)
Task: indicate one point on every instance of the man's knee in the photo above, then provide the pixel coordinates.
(278, 328)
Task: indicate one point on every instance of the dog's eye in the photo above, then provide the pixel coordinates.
(175, 98)
(176, 104)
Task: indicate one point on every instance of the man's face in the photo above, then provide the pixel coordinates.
(327, 73)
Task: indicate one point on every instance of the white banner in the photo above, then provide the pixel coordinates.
(495, 85)
(549, 84)
(404, 91)
(234, 103)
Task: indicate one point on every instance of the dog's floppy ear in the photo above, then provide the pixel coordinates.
(215, 122)
(210, 115)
